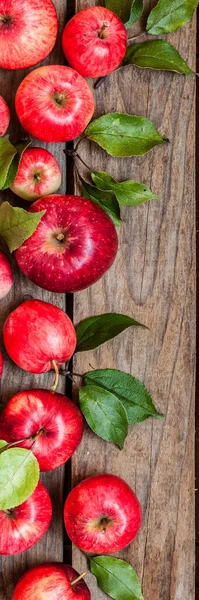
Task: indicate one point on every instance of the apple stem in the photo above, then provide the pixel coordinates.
(60, 237)
(102, 31)
(79, 578)
(55, 384)
(27, 439)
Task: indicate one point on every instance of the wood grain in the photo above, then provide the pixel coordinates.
(152, 280)
(51, 546)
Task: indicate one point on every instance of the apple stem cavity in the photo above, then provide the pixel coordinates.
(79, 578)
(55, 384)
(102, 33)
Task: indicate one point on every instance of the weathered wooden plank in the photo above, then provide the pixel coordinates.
(153, 280)
(51, 545)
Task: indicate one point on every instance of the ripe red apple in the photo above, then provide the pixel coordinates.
(1, 365)
(4, 116)
(28, 30)
(51, 581)
(38, 174)
(102, 514)
(73, 246)
(51, 424)
(37, 335)
(23, 526)
(94, 41)
(6, 278)
(54, 103)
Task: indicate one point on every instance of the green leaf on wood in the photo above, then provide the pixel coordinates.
(124, 135)
(157, 54)
(94, 331)
(132, 393)
(19, 475)
(122, 8)
(17, 225)
(116, 578)
(104, 413)
(136, 12)
(12, 171)
(128, 193)
(170, 15)
(105, 200)
(7, 153)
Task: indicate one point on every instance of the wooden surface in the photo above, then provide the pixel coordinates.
(152, 280)
(51, 545)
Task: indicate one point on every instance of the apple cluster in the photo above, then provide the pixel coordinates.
(73, 246)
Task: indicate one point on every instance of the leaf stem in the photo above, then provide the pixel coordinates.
(55, 384)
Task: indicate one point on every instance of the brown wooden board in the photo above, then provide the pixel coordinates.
(152, 280)
(14, 379)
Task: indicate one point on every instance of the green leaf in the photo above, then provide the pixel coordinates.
(7, 153)
(133, 394)
(116, 578)
(122, 8)
(124, 135)
(94, 331)
(128, 193)
(17, 225)
(3, 443)
(104, 413)
(157, 54)
(19, 475)
(12, 171)
(105, 200)
(170, 16)
(136, 12)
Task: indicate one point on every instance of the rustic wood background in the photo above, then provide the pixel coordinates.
(152, 280)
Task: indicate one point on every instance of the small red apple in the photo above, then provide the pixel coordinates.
(73, 246)
(94, 41)
(37, 335)
(6, 278)
(1, 365)
(51, 424)
(51, 581)
(38, 175)
(102, 514)
(28, 31)
(4, 116)
(54, 103)
(23, 526)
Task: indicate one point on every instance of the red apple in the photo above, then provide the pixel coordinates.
(73, 246)
(94, 41)
(51, 424)
(23, 526)
(1, 365)
(37, 335)
(54, 103)
(4, 116)
(6, 278)
(28, 30)
(102, 514)
(38, 174)
(51, 581)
